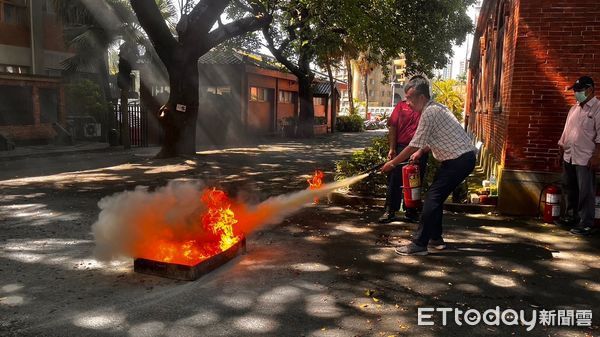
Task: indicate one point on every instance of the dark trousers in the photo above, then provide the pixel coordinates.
(579, 184)
(450, 174)
(393, 198)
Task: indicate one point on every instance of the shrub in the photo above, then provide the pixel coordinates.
(320, 120)
(351, 123)
(84, 97)
(361, 161)
(375, 184)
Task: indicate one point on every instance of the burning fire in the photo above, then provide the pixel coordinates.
(315, 182)
(185, 223)
(217, 223)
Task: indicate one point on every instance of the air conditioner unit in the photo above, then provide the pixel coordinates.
(92, 130)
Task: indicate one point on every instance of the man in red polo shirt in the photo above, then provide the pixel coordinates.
(402, 126)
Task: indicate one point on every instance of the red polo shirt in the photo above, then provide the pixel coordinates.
(406, 121)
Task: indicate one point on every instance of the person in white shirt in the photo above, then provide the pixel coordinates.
(579, 151)
(439, 132)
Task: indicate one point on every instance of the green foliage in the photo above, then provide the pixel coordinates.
(352, 123)
(84, 97)
(446, 93)
(362, 160)
(320, 120)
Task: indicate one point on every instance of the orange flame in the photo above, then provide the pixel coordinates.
(217, 224)
(315, 182)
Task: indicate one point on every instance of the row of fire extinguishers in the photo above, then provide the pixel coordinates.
(551, 204)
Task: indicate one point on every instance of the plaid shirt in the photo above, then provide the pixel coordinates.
(441, 131)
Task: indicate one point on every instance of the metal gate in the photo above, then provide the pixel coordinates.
(138, 123)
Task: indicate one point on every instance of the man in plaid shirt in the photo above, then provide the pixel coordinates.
(440, 133)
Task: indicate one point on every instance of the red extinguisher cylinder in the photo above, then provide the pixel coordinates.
(551, 204)
(411, 181)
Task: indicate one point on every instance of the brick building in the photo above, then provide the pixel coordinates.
(31, 50)
(525, 54)
(249, 94)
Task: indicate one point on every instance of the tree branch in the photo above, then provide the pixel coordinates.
(236, 28)
(204, 16)
(278, 53)
(155, 26)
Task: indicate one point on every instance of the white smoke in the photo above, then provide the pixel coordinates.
(132, 220)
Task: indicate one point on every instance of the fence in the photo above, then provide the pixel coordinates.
(138, 123)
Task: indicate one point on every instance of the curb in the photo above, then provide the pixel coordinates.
(57, 153)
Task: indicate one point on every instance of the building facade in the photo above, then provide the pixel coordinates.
(31, 51)
(525, 54)
(245, 94)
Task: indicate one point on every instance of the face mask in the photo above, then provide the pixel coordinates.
(580, 96)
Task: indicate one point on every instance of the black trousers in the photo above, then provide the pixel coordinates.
(579, 184)
(393, 198)
(450, 174)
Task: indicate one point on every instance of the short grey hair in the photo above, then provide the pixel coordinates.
(420, 84)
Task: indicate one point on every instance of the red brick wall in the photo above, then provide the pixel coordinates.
(53, 34)
(38, 131)
(558, 41)
(15, 35)
(485, 119)
(548, 45)
(26, 133)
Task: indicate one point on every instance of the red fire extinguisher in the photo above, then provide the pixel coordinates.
(551, 204)
(411, 181)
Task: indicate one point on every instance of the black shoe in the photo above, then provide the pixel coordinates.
(583, 231)
(387, 217)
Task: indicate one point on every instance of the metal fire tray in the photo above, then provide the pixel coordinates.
(185, 272)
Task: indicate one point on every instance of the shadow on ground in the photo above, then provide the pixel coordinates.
(327, 271)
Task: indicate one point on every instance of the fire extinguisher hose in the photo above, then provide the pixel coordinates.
(375, 168)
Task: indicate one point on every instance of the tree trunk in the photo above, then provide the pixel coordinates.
(306, 118)
(350, 79)
(181, 114)
(332, 96)
(366, 96)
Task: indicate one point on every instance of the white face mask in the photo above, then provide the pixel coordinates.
(580, 96)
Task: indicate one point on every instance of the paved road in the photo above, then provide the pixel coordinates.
(327, 271)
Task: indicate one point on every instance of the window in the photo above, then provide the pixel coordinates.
(13, 12)
(499, 58)
(371, 93)
(17, 105)
(11, 69)
(258, 94)
(286, 96)
(372, 82)
(48, 7)
(383, 93)
(219, 90)
(318, 101)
